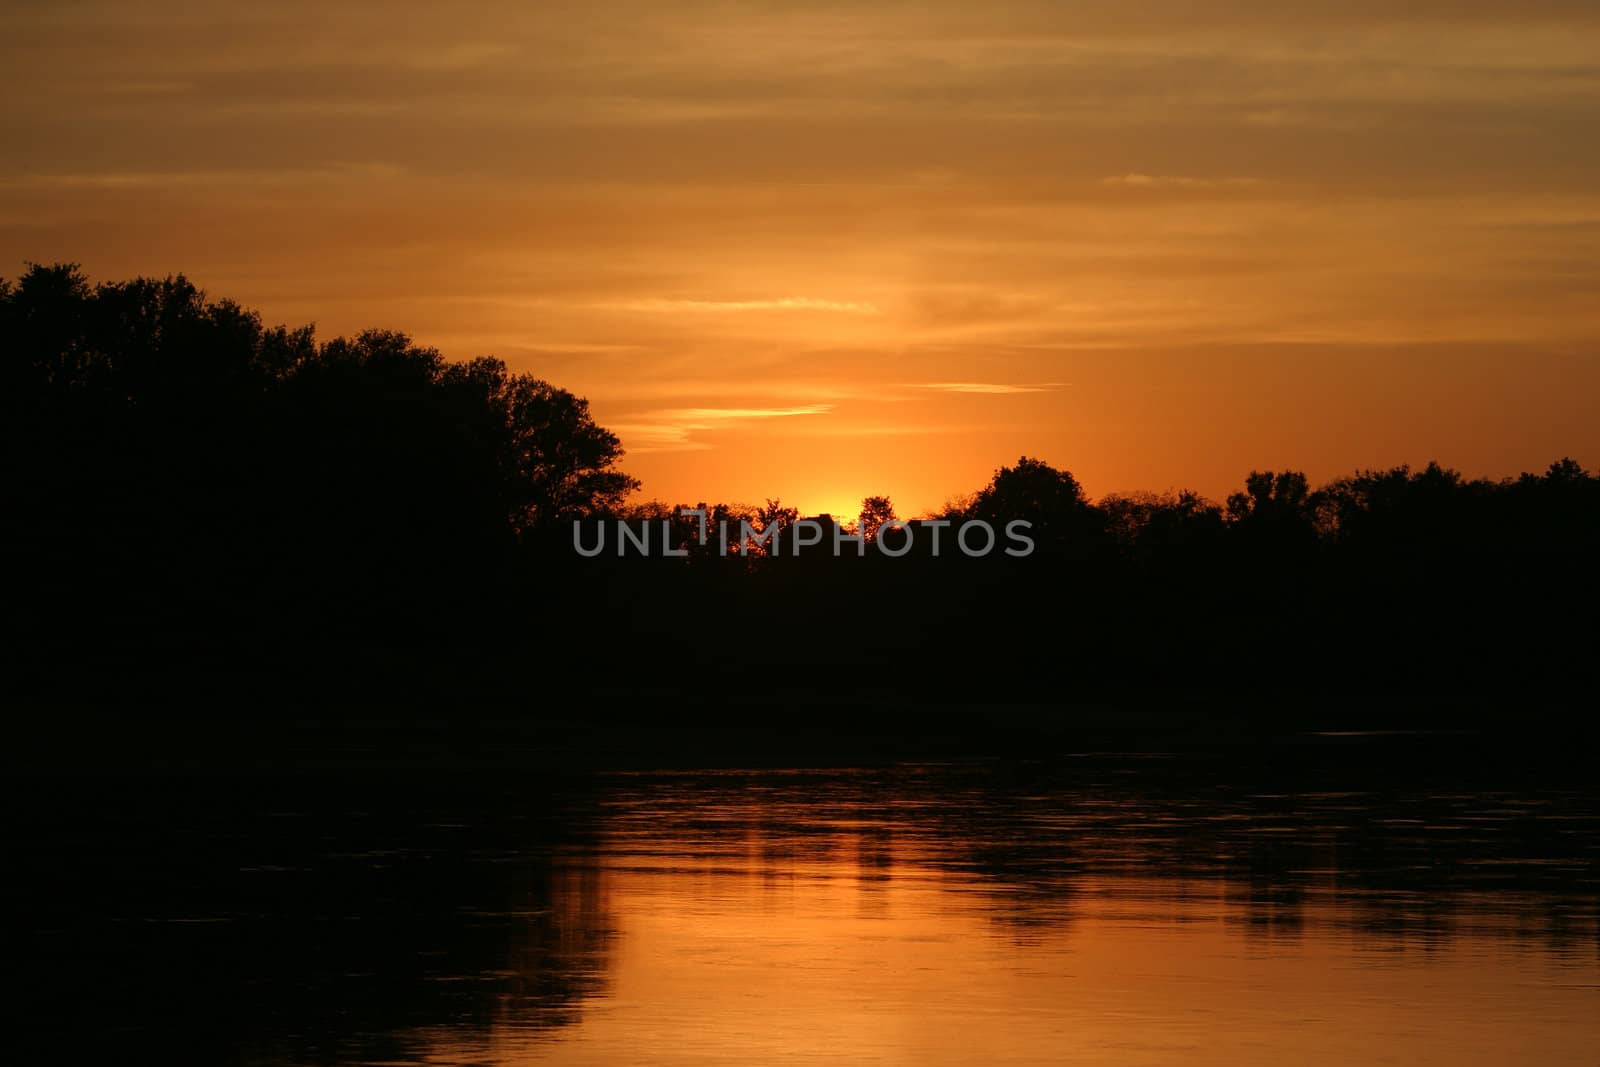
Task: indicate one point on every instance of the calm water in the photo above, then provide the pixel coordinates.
(1271, 908)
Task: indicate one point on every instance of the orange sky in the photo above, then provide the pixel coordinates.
(823, 250)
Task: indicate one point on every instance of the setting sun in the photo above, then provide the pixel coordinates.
(764, 242)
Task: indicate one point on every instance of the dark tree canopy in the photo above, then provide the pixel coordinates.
(875, 511)
(199, 506)
(376, 406)
(1050, 499)
(1030, 490)
(179, 475)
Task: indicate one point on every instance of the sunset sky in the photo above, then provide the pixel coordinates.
(822, 250)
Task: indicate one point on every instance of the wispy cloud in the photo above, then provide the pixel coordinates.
(796, 392)
(461, 56)
(899, 429)
(1176, 181)
(719, 415)
(355, 173)
(785, 303)
(672, 429)
(991, 388)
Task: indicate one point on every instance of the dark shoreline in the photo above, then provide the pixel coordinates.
(74, 742)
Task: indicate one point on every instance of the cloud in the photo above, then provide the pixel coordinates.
(462, 56)
(900, 429)
(782, 390)
(1158, 181)
(990, 388)
(786, 303)
(671, 429)
(354, 173)
(717, 415)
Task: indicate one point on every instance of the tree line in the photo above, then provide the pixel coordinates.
(201, 509)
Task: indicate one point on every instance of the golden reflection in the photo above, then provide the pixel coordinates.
(750, 942)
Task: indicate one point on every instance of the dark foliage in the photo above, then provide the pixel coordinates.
(197, 504)
(204, 512)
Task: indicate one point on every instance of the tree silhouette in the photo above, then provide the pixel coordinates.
(1032, 490)
(875, 511)
(1050, 500)
(561, 462)
(190, 487)
(774, 514)
(1148, 524)
(1271, 497)
(201, 508)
